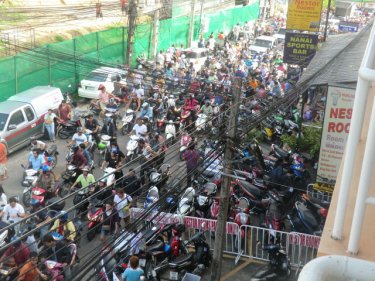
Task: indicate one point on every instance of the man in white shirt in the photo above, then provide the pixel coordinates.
(140, 92)
(13, 211)
(140, 129)
(123, 202)
(79, 138)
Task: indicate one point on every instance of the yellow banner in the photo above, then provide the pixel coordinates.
(304, 15)
(325, 187)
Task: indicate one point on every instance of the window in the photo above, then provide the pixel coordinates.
(97, 77)
(29, 114)
(16, 118)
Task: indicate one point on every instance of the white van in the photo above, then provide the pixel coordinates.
(263, 43)
(197, 56)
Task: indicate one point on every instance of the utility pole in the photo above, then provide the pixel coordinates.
(155, 34)
(224, 192)
(131, 30)
(201, 19)
(327, 18)
(191, 24)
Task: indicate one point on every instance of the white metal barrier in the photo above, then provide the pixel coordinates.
(244, 241)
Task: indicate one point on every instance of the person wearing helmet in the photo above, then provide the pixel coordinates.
(15, 256)
(85, 179)
(64, 226)
(46, 180)
(78, 138)
(109, 128)
(146, 111)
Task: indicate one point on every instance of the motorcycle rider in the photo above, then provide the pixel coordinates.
(207, 108)
(36, 160)
(15, 256)
(85, 153)
(78, 159)
(174, 115)
(104, 97)
(148, 155)
(78, 138)
(93, 125)
(109, 128)
(64, 227)
(140, 129)
(46, 180)
(132, 185)
(146, 111)
(30, 270)
(41, 217)
(85, 179)
(13, 211)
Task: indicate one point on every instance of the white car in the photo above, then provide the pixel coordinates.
(280, 35)
(104, 75)
(262, 44)
(197, 56)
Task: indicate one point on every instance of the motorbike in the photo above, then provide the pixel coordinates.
(131, 148)
(66, 129)
(151, 197)
(170, 131)
(303, 220)
(201, 123)
(186, 204)
(111, 115)
(279, 153)
(49, 155)
(243, 216)
(278, 268)
(104, 145)
(128, 121)
(43, 196)
(30, 176)
(67, 179)
(94, 215)
(195, 262)
(203, 201)
(160, 177)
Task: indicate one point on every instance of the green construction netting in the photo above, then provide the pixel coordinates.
(66, 63)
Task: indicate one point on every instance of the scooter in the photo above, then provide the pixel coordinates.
(67, 129)
(278, 268)
(195, 262)
(151, 197)
(201, 123)
(131, 148)
(186, 204)
(30, 176)
(67, 179)
(94, 215)
(128, 121)
(170, 132)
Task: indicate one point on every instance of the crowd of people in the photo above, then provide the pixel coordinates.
(264, 75)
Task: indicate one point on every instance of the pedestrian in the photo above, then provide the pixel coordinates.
(3, 197)
(191, 156)
(109, 221)
(49, 124)
(134, 272)
(3, 160)
(99, 13)
(123, 6)
(123, 202)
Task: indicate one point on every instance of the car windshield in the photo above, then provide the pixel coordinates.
(3, 120)
(97, 76)
(194, 55)
(263, 43)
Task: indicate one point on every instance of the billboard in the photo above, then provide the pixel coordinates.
(336, 125)
(304, 15)
(347, 26)
(300, 48)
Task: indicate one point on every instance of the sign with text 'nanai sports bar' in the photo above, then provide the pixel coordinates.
(300, 48)
(304, 15)
(336, 125)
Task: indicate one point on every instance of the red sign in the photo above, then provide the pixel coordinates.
(305, 240)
